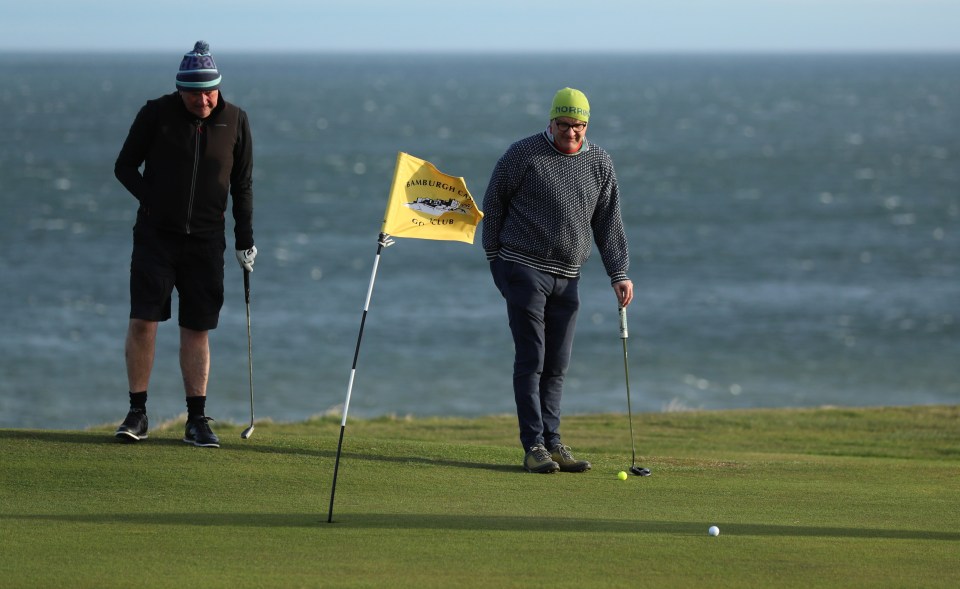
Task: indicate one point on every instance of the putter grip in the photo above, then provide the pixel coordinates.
(624, 334)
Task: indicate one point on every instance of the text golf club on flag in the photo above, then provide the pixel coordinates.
(428, 204)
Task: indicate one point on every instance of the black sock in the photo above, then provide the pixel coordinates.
(138, 401)
(195, 406)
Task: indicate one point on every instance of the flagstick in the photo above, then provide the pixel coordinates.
(383, 241)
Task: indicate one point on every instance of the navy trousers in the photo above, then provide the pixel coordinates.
(542, 309)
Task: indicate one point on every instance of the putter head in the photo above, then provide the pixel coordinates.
(640, 471)
(247, 433)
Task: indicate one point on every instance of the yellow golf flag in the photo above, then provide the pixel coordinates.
(428, 204)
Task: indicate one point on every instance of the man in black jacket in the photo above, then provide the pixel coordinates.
(195, 148)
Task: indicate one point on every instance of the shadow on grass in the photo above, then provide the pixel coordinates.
(97, 439)
(388, 521)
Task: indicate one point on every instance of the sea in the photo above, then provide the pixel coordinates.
(793, 220)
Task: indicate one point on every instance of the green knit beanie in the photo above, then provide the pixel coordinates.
(570, 103)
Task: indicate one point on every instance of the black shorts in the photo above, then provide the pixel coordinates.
(162, 261)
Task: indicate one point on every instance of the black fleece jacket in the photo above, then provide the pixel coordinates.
(189, 167)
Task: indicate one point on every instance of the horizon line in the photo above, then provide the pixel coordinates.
(506, 52)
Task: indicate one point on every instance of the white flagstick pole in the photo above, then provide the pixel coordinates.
(383, 241)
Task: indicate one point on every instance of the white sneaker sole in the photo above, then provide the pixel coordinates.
(129, 437)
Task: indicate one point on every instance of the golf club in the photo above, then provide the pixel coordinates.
(624, 334)
(246, 295)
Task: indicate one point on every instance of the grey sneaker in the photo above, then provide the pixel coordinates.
(538, 460)
(561, 454)
(133, 428)
(198, 433)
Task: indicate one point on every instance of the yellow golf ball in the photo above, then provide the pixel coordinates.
(622, 475)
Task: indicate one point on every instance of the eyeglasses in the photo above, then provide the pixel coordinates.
(564, 127)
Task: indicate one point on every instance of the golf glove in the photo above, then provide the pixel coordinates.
(246, 257)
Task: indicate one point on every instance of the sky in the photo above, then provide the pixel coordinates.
(510, 26)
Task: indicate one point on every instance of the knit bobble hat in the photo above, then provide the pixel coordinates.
(570, 103)
(198, 72)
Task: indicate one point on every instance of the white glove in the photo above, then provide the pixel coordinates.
(246, 257)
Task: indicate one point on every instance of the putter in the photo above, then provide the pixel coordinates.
(246, 295)
(624, 334)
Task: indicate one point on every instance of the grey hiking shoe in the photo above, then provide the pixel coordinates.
(561, 454)
(198, 433)
(538, 460)
(133, 428)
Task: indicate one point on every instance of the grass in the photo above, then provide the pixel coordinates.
(828, 497)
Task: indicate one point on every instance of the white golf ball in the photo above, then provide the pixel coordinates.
(714, 531)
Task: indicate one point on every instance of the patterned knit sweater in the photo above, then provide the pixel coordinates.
(542, 205)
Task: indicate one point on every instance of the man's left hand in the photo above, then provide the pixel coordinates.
(246, 258)
(624, 292)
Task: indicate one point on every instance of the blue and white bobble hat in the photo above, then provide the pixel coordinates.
(198, 72)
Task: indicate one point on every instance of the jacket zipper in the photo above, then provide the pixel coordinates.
(193, 180)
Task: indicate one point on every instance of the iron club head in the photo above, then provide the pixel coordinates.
(247, 433)
(640, 471)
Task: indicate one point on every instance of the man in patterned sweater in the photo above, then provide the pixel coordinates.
(550, 197)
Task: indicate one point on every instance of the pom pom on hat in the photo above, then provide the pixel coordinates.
(572, 103)
(198, 72)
